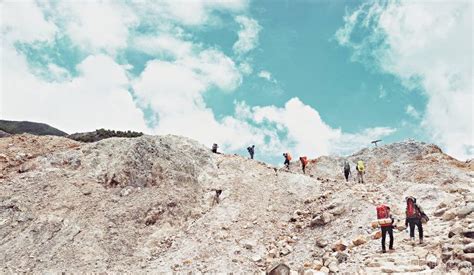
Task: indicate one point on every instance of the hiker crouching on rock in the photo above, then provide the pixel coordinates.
(214, 148)
(415, 217)
(385, 221)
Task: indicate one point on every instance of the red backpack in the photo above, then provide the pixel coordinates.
(412, 211)
(382, 212)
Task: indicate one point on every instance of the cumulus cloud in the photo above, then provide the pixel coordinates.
(248, 35)
(97, 98)
(300, 129)
(25, 22)
(424, 44)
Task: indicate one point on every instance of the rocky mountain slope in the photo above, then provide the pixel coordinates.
(166, 203)
(20, 127)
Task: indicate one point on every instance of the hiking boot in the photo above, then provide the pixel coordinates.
(421, 241)
(391, 248)
(384, 251)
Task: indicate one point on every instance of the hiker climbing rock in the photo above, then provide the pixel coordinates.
(304, 162)
(385, 220)
(287, 157)
(216, 199)
(415, 216)
(214, 148)
(360, 171)
(347, 170)
(251, 150)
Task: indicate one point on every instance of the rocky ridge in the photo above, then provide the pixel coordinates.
(166, 203)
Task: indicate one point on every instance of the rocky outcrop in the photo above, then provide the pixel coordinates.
(166, 203)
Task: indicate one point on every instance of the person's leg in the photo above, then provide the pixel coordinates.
(420, 230)
(384, 234)
(346, 175)
(390, 234)
(412, 229)
(362, 177)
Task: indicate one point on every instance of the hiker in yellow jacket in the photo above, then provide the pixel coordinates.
(360, 171)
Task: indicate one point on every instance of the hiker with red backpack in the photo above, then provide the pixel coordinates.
(415, 216)
(304, 162)
(287, 157)
(385, 220)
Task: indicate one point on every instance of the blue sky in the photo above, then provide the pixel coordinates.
(309, 77)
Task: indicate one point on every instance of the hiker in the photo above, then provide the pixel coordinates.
(347, 170)
(287, 157)
(214, 148)
(251, 150)
(415, 216)
(360, 171)
(385, 221)
(304, 162)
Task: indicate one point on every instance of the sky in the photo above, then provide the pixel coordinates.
(308, 77)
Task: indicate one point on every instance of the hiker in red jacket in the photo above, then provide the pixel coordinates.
(304, 162)
(414, 217)
(386, 224)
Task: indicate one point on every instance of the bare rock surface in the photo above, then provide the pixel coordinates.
(166, 203)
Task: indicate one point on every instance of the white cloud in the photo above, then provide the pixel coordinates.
(303, 130)
(248, 35)
(411, 111)
(425, 44)
(245, 68)
(266, 75)
(96, 25)
(190, 13)
(97, 98)
(25, 22)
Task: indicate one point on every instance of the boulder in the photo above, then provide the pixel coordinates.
(401, 227)
(321, 243)
(321, 220)
(468, 257)
(431, 261)
(469, 248)
(342, 257)
(317, 264)
(338, 210)
(446, 256)
(468, 233)
(465, 264)
(333, 268)
(339, 246)
(452, 264)
(462, 212)
(359, 240)
(377, 235)
(440, 212)
(325, 270)
(279, 269)
(449, 215)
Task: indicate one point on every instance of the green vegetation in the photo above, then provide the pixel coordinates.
(100, 134)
